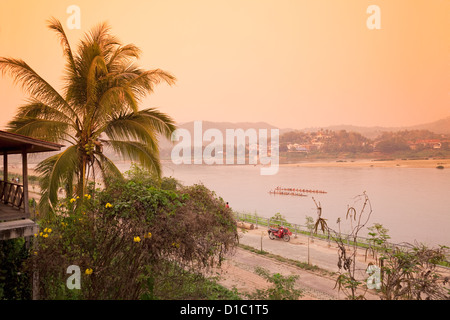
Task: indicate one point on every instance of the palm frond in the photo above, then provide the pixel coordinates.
(142, 126)
(145, 82)
(130, 127)
(56, 171)
(49, 130)
(101, 34)
(98, 41)
(116, 99)
(135, 151)
(123, 55)
(36, 109)
(56, 25)
(31, 82)
(97, 70)
(78, 90)
(107, 168)
(158, 121)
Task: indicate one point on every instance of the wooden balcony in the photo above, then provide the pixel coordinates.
(14, 221)
(14, 208)
(11, 201)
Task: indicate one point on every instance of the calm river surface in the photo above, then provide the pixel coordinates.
(412, 203)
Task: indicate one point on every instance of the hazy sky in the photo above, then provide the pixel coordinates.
(290, 63)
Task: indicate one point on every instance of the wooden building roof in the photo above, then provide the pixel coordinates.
(13, 143)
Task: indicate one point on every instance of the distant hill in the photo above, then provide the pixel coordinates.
(441, 127)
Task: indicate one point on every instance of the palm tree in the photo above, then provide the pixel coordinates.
(97, 109)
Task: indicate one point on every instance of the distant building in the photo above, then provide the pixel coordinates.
(299, 147)
(425, 143)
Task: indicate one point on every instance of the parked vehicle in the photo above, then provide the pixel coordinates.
(280, 232)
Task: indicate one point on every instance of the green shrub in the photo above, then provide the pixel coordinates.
(14, 281)
(129, 233)
(282, 287)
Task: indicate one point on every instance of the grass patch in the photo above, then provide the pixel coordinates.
(292, 262)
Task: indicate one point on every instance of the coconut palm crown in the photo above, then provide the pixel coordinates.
(97, 110)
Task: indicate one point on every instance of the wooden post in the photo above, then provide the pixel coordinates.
(5, 176)
(308, 253)
(262, 234)
(35, 274)
(5, 166)
(25, 183)
(35, 280)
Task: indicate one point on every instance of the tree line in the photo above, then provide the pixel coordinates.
(327, 141)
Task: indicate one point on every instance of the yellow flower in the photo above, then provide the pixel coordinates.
(35, 235)
(108, 205)
(87, 196)
(89, 271)
(176, 245)
(73, 200)
(45, 230)
(41, 233)
(49, 230)
(45, 235)
(137, 239)
(148, 235)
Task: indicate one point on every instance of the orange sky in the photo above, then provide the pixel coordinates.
(290, 63)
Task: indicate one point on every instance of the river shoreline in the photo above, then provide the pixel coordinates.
(394, 163)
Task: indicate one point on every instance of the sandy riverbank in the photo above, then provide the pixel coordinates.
(430, 163)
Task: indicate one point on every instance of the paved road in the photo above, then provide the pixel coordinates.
(314, 287)
(320, 254)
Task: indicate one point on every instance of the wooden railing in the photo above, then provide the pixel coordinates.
(11, 194)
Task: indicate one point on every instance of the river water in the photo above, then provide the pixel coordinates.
(412, 203)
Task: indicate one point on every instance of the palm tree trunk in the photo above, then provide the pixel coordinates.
(81, 189)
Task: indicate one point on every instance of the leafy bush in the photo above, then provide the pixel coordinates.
(132, 234)
(282, 287)
(279, 220)
(412, 273)
(14, 283)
